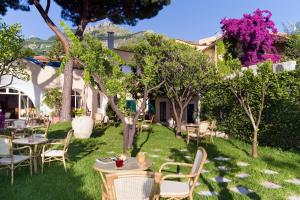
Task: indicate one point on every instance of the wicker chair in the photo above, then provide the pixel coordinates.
(181, 190)
(146, 125)
(132, 186)
(9, 160)
(50, 155)
(197, 132)
(45, 134)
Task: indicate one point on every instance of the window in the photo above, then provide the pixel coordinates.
(131, 105)
(75, 100)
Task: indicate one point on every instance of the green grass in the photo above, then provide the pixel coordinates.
(82, 182)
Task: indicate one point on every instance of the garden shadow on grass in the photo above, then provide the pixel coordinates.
(55, 183)
(135, 148)
(80, 148)
(282, 164)
(212, 152)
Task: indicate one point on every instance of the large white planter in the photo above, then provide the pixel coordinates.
(82, 126)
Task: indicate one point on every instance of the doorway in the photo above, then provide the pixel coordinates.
(190, 113)
(163, 111)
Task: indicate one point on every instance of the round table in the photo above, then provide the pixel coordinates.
(32, 141)
(131, 164)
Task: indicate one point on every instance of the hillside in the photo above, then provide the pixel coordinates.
(123, 37)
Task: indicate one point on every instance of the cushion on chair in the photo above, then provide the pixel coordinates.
(193, 135)
(174, 188)
(39, 135)
(54, 153)
(197, 162)
(16, 159)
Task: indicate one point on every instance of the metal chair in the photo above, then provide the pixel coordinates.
(49, 154)
(11, 161)
(181, 190)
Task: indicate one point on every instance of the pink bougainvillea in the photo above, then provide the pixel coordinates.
(255, 34)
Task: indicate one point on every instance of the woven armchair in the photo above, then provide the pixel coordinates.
(197, 132)
(146, 124)
(37, 133)
(49, 154)
(132, 186)
(9, 160)
(177, 190)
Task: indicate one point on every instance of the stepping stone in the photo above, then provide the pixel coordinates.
(168, 160)
(197, 184)
(203, 171)
(267, 171)
(241, 190)
(220, 179)
(183, 150)
(295, 181)
(188, 157)
(223, 168)
(154, 156)
(220, 158)
(110, 152)
(207, 161)
(208, 193)
(294, 197)
(242, 175)
(156, 150)
(270, 185)
(242, 164)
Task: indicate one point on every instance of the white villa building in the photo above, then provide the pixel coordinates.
(22, 98)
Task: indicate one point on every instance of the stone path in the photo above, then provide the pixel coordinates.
(294, 197)
(154, 156)
(156, 150)
(242, 164)
(168, 160)
(220, 179)
(220, 158)
(204, 171)
(295, 181)
(208, 193)
(110, 152)
(271, 172)
(241, 190)
(207, 161)
(270, 185)
(188, 157)
(183, 150)
(223, 168)
(242, 175)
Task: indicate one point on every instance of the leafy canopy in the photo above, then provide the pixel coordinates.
(12, 52)
(251, 38)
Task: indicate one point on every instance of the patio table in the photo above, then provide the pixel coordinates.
(32, 141)
(131, 164)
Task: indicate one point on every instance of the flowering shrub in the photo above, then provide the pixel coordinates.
(255, 33)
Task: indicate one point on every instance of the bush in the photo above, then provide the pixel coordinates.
(280, 121)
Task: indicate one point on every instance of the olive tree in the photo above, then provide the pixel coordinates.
(12, 53)
(103, 69)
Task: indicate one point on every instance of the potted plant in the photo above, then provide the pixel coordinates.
(53, 100)
(82, 124)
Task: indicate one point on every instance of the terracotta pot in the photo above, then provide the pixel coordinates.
(82, 126)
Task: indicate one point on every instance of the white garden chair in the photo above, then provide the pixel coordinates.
(9, 160)
(177, 190)
(137, 185)
(50, 154)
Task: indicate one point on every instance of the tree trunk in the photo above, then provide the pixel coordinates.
(65, 114)
(128, 136)
(178, 123)
(254, 143)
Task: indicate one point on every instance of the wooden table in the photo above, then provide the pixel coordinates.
(131, 164)
(32, 141)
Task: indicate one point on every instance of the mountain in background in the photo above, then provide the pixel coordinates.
(123, 38)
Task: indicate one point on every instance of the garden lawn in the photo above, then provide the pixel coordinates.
(81, 181)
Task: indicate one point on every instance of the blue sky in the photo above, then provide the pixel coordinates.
(184, 19)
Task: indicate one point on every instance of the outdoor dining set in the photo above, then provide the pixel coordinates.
(21, 147)
(134, 179)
